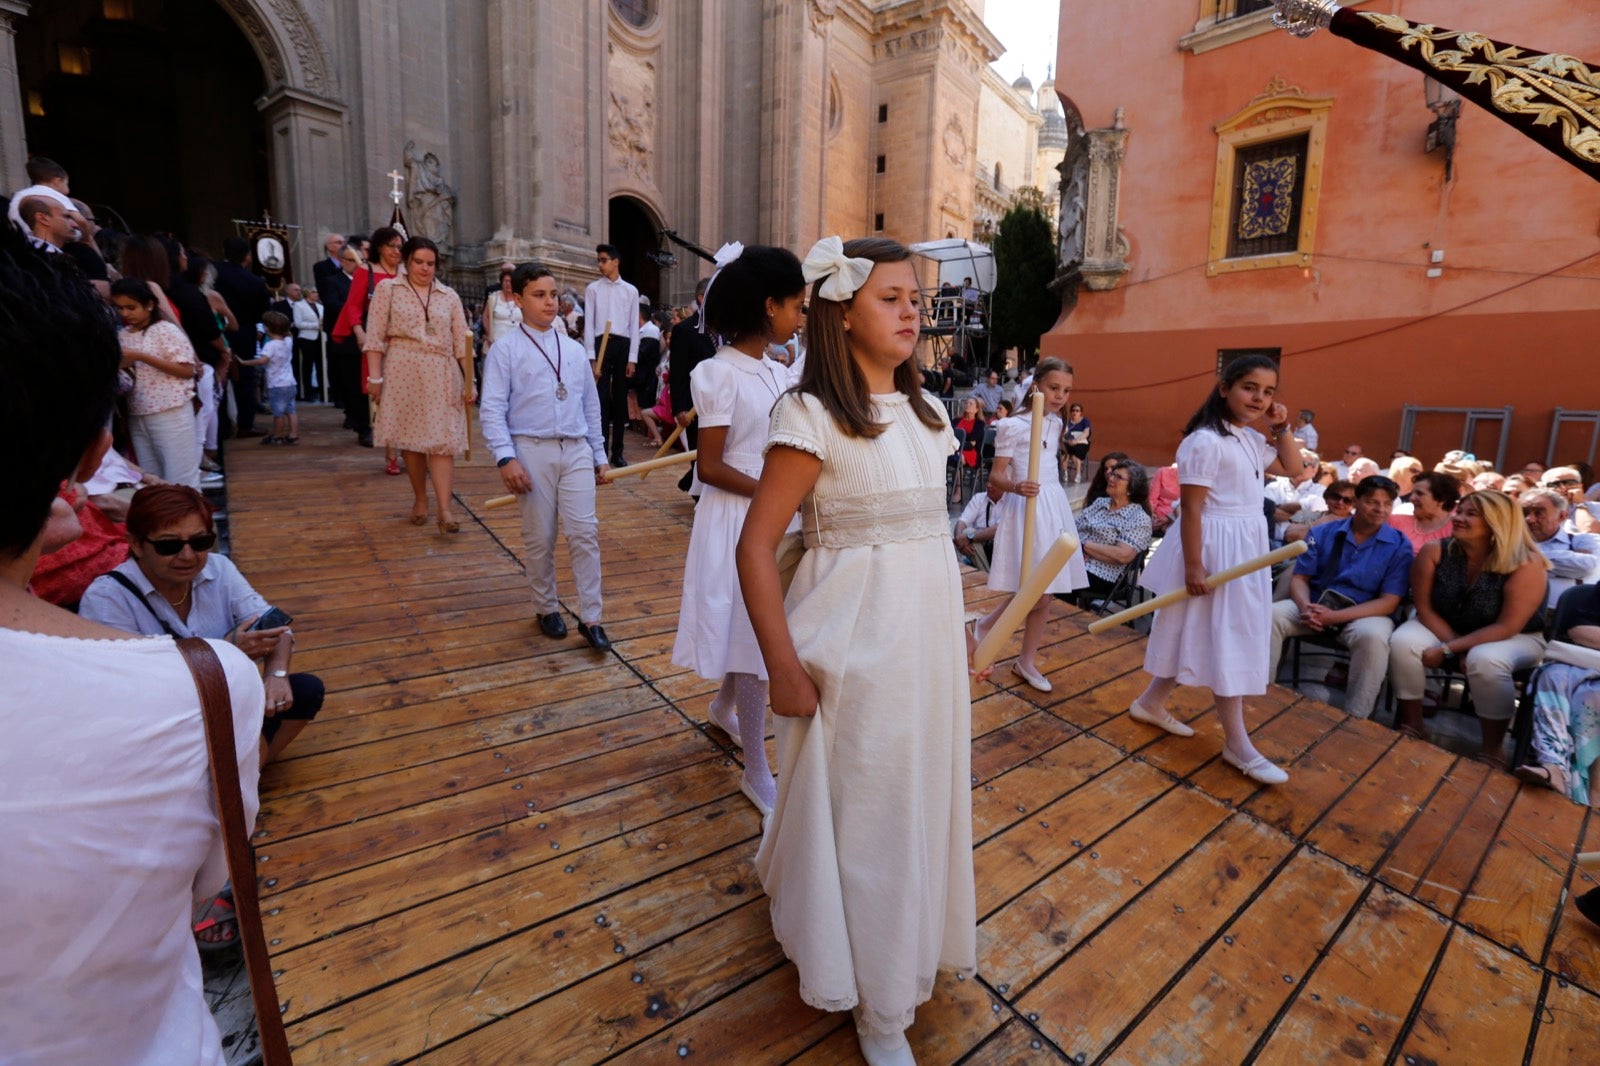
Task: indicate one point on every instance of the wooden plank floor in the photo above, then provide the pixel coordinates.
(495, 848)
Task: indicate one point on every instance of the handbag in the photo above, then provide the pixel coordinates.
(217, 709)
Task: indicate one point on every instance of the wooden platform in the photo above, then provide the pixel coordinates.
(495, 848)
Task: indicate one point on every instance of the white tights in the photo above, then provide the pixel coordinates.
(748, 693)
(1230, 711)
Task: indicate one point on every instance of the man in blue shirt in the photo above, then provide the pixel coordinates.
(1349, 584)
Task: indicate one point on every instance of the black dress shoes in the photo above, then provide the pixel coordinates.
(552, 626)
(595, 635)
(1589, 905)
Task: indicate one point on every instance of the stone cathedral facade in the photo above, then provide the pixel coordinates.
(524, 128)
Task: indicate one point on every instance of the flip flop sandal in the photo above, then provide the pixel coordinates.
(217, 914)
(1544, 775)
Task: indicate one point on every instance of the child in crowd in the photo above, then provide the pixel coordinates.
(868, 855)
(1219, 638)
(753, 302)
(541, 419)
(277, 355)
(1053, 516)
(161, 406)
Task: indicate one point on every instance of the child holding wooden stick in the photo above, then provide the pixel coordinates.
(754, 300)
(1052, 378)
(868, 854)
(1219, 639)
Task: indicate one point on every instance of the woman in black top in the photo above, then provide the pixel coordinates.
(1480, 598)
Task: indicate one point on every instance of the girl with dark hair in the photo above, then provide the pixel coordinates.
(1052, 516)
(144, 258)
(1219, 638)
(161, 416)
(419, 370)
(753, 301)
(868, 855)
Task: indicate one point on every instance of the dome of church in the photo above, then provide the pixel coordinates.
(1022, 84)
(1054, 132)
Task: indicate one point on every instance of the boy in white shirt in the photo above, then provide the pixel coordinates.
(278, 356)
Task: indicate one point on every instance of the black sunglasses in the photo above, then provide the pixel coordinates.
(200, 542)
(1346, 499)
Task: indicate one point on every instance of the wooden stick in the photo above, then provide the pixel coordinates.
(600, 356)
(666, 445)
(466, 378)
(1031, 509)
(1028, 594)
(1589, 860)
(653, 464)
(498, 501)
(468, 457)
(1167, 599)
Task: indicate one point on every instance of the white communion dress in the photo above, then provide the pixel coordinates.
(1053, 514)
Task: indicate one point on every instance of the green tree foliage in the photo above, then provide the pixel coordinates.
(1024, 306)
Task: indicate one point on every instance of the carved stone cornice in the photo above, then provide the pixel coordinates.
(288, 43)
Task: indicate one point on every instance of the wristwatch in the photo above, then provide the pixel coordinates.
(503, 462)
(278, 673)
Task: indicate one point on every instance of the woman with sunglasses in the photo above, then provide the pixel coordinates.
(172, 585)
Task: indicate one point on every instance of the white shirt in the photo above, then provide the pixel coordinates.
(307, 320)
(520, 397)
(1574, 558)
(649, 331)
(222, 599)
(615, 302)
(110, 838)
(279, 354)
(1307, 435)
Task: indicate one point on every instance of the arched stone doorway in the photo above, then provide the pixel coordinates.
(636, 231)
(190, 112)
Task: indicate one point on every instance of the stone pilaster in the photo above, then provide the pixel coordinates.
(1105, 250)
(13, 144)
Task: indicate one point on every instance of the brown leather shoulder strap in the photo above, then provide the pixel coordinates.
(217, 708)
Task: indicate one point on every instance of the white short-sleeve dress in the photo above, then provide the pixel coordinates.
(714, 636)
(1218, 641)
(1053, 516)
(868, 854)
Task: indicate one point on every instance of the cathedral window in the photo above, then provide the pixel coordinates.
(636, 13)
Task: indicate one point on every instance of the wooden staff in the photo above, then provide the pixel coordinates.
(600, 356)
(1589, 860)
(1031, 508)
(645, 467)
(468, 377)
(1028, 594)
(628, 471)
(1167, 599)
(666, 445)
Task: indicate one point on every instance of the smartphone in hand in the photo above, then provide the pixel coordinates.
(271, 618)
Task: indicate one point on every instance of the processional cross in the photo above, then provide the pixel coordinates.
(396, 177)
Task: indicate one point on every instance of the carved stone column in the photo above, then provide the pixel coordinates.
(13, 145)
(515, 134)
(1105, 250)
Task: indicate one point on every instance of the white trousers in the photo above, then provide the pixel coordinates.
(1488, 668)
(562, 472)
(205, 425)
(167, 445)
(1367, 640)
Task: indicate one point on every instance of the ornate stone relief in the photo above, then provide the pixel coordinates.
(308, 68)
(821, 12)
(955, 141)
(1105, 249)
(430, 202)
(631, 115)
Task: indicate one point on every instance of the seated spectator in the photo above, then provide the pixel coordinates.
(1349, 584)
(1433, 497)
(1566, 708)
(62, 574)
(107, 821)
(1352, 452)
(1361, 469)
(1304, 431)
(1488, 481)
(1567, 481)
(1115, 529)
(1291, 496)
(1515, 485)
(1480, 598)
(1097, 487)
(975, 529)
(174, 585)
(1076, 439)
(1403, 470)
(989, 394)
(1462, 469)
(1003, 409)
(1338, 500)
(1574, 557)
(1164, 493)
(1533, 470)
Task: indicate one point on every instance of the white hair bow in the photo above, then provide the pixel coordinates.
(725, 255)
(844, 275)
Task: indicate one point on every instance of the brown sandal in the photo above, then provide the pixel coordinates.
(1415, 732)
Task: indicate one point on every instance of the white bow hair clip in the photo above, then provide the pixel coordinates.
(844, 275)
(725, 255)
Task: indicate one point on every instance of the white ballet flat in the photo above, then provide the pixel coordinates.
(730, 728)
(1261, 769)
(1032, 677)
(884, 1049)
(1162, 720)
(755, 800)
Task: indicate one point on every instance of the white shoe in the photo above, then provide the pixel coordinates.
(1160, 719)
(1260, 769)
(211, 479)
(730, 727)
(884, 1049)
(1031, 676)
(755, 800)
